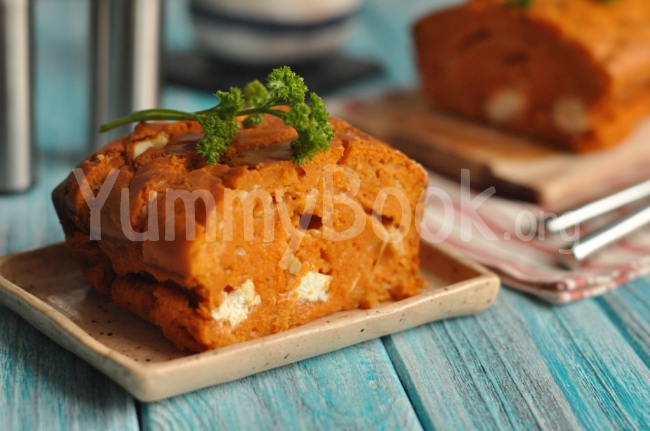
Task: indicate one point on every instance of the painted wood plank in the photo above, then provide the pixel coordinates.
(45, 387)
(353, 388)
(629, 308)
(468, 373)
(62, 73)
(28, 220)
(606, 383)
(524, 365)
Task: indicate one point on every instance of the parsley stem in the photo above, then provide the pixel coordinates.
(148, 115)
(262, 110)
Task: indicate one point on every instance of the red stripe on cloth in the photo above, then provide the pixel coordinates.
(531, 265)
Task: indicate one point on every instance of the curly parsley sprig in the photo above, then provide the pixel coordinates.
(283, 88)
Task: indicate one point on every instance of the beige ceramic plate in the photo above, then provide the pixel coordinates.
(46, 287)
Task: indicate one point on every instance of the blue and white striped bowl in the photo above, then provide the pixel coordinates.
(272, 31)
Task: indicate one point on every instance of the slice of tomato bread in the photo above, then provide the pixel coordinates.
(573, 73)
(227, 282)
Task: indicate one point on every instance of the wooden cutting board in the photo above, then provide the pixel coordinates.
(519, 168)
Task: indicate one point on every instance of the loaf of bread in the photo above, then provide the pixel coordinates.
(573, 73)
(227, 281)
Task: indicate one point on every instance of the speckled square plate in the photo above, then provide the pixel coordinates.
(45, 286)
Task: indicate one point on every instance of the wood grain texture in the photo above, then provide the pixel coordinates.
(629, 308)
(524, 365)
(353, 388)
(45, 387)
(28, 220)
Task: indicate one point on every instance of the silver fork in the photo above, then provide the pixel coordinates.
(572, 256)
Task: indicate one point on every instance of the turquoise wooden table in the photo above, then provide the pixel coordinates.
(520, 365)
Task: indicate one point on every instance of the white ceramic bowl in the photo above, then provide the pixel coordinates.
(272, 31)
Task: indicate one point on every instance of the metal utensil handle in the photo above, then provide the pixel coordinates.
(600, 239)
(599, 207)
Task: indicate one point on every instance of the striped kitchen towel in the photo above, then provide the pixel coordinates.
(502, 235)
